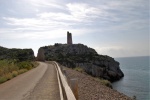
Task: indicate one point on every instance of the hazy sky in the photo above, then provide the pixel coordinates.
(117, 28)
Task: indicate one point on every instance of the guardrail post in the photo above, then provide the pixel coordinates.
(74, 87)
(64, 72)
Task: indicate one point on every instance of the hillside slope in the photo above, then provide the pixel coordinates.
(18, 54)
(91, 88)
(79, 55)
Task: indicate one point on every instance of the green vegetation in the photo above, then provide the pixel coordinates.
(101, 80)
(12, 68)
(79, 69)
(71, 54)
(14, 62)
(79, 55)
(104, 82)
(17, 54)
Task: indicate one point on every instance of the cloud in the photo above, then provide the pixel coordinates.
(80, 14)
(83, 11)
(36, 24)
(54, 34)
(115, 21)
(58, 16)
(106, 50)
(45, 3)
(42, 35)
(113, 15)
(77, 13)
(116, 51)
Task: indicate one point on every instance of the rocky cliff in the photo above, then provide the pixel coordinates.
(18, 54)
(79, 55)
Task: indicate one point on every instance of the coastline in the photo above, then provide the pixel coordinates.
(135, 82)
(91, 89)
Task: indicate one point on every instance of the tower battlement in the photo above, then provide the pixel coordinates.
(69, 38)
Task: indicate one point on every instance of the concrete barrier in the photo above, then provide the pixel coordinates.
(74, 87)
(59, 83)
(65, 91)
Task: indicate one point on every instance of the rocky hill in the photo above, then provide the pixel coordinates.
(18, 54)
(79, 55)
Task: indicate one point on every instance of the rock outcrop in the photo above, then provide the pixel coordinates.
(79, 55)
(40, 56)
(18, 54)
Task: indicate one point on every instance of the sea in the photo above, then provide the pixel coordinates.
(136, 81)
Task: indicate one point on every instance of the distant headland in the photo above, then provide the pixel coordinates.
(79, 55)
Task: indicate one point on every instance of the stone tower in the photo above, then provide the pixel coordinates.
(69, 38)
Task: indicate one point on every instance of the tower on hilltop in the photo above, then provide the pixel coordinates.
(69, 38)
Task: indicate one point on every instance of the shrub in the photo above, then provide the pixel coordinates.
(12, 68)
(79, 69)
(25, 65)
(9, 76)
(34, 64)
(22, 71)
(1, 72)
(3, 79)
(14, 73)
(7, 66)
(104, 82)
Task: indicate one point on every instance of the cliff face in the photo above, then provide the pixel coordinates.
(18, 54)
(40, 56)
(79, 55)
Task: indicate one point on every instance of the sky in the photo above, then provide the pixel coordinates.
(118, 28)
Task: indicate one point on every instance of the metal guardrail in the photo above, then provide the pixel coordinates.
(65, 91)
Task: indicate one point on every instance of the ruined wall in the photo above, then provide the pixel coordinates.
(69, 38)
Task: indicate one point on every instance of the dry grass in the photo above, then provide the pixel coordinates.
(10, 69)
(79, 69)
(15, 73)
(3, 79)
(104, 82)
(22, 71)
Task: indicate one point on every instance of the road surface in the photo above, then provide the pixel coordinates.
(37, 84)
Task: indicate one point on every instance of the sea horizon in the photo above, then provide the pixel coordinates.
(133, 56)
(136, 77)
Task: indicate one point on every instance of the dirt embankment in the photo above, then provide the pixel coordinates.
(92, 89)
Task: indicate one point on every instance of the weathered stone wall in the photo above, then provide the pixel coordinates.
(69, 38)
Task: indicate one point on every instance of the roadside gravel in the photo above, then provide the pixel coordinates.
(91, 89)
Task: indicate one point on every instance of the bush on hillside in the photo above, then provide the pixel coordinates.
(10, 68)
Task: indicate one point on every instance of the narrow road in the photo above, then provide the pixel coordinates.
(37, 84)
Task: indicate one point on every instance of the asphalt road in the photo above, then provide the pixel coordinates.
(37, 84)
